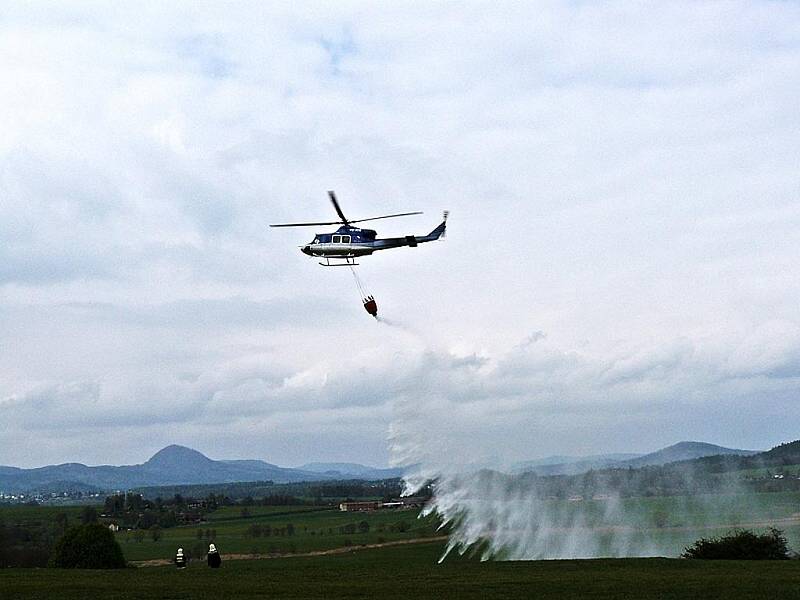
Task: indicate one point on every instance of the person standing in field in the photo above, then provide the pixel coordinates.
(214, 560)
(180, 559)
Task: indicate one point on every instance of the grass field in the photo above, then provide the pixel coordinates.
(314, 529)
(671, 522)
(412, 572)
(21, 513)
(688, 511)
(227, 513)
(685, 519)
(789, 470)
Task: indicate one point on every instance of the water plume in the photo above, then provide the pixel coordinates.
(453, 438)
(524, 516)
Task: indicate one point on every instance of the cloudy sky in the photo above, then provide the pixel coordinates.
(621, 269)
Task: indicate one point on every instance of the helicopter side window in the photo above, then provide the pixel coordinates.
(337, 239)
(345, 239)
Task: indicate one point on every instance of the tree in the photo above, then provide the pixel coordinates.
(290, 529)
(90, 546)
(168, 519)
(114, 505)
(147, 520)
(88, 515)
(155, 533)
(363, 527)
(741, 545)
(61, 522)
(133, 502)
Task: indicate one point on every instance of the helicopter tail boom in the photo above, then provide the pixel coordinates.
(411, 240)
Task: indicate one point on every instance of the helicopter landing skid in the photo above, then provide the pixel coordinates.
(348, 262)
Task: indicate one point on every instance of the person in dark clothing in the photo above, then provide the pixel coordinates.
(180, 559)
(214, 560)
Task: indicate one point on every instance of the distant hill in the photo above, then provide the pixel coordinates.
(779, 456)
(179, 465)
(570, 465)
(350, 470)
(681, 451)
(170, 466)
(684, 451)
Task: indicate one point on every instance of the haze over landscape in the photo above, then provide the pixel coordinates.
(180, 465)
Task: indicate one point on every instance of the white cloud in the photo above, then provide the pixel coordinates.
(621, 178)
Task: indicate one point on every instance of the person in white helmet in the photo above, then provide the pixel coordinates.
(214, 560)
(180, 559)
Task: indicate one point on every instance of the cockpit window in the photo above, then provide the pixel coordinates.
(316, 240)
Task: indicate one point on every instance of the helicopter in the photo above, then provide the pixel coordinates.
(347, 243)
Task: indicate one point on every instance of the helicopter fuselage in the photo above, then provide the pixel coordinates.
(351, 242)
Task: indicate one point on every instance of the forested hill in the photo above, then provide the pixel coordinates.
(779, 456)
(785, 454)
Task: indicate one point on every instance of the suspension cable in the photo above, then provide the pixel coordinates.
(359, 284)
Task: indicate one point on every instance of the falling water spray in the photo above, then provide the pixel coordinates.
(496, 513)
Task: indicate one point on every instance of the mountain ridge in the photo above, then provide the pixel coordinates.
(172, 465)
(180, 465)
(681, 451)
(686, 451)
(352, 470)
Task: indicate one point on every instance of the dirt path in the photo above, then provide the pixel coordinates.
(161, 562)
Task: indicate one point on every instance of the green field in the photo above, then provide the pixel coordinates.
(412, 572)
(314, 529)
(788, 470)
(667, 523)
(235, 512)
(23, 513)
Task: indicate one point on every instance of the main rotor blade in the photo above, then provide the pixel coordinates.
(337, 207)
(305, 224)
(387, 217)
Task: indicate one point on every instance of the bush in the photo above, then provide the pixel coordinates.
(90, 546)
(88, 515)
(741, 545)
